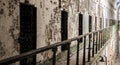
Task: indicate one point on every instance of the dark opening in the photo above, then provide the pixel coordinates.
(90, 23)
(95, 23)
(100, 23)
(90, 29)
(80, 26)
(27, 38)
(64, 28)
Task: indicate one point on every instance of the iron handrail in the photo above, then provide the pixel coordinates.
(42, 49)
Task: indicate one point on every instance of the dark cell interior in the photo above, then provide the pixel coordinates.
(64, 28)
(80, 26)
(27, 31)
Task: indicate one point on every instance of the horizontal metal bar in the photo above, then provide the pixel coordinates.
(36, 51)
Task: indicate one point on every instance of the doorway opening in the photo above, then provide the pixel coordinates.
(64, 28)
(90, 23)
(95, 23)
(27, 37)
(80, 26)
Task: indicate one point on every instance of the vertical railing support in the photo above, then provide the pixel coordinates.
(96, 42)
(89, 48)
(68, 54)
(77, 57)
(103, 37)
(93, 47)
(84, 52)
(99, 40)
(54, 50)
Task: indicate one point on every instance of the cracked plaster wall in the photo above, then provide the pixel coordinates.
(9, 28)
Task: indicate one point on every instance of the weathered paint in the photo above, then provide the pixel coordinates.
(9, 28)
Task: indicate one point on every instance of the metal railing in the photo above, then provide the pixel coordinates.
(94, 45)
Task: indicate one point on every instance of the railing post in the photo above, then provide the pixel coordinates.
(84, 52)
(54, 50)
(77, 57)
(103, 37)
(68, 54)
(96, 42)
(93, 47)
(89, 48)
(99, 40)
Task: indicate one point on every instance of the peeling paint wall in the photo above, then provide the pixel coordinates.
(9, 28)
(49, 14)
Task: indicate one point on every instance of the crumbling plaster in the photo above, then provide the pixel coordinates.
(9, 28)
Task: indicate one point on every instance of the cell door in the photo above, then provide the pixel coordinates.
(90, 23)
(27, 32)
(90, 26)
(64, 28)
(101, 23)
(80, 25)
(95, 23)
